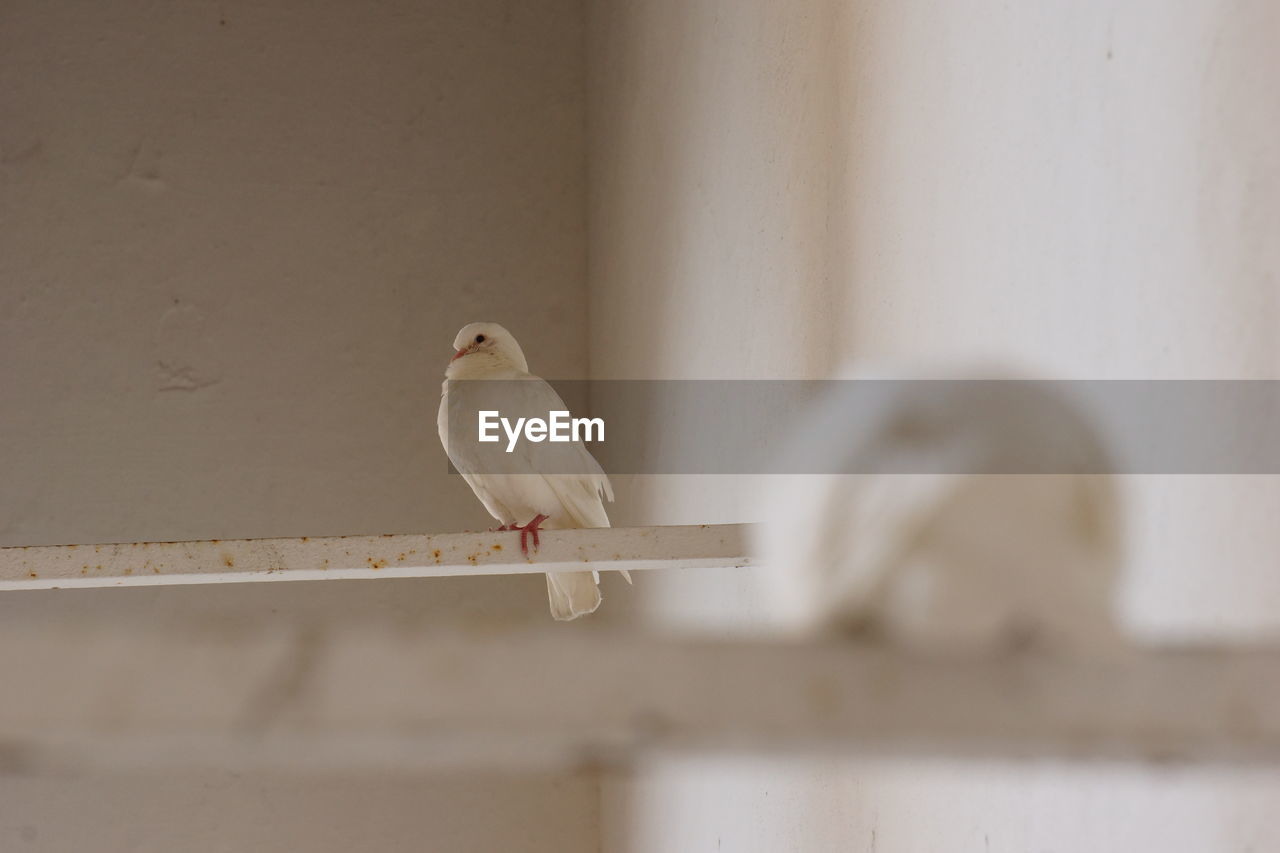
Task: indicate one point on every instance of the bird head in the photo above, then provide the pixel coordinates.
(491, 340)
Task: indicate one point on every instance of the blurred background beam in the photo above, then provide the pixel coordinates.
(355, 557)
(374, 697)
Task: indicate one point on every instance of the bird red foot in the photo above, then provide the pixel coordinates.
(525, 531)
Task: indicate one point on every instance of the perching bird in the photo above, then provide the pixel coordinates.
(545, 485)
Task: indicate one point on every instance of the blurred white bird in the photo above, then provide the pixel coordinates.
(552, 485)
(973, 514)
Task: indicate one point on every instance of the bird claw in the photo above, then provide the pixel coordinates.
(526, 530)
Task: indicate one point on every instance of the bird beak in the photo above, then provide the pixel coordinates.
(459, 354)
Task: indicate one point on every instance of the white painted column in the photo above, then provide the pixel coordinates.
(1085, 190)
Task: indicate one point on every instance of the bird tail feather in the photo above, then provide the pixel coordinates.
(572, 594)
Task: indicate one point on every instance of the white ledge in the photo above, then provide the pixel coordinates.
(355, 557)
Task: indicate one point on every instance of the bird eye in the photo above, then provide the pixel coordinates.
(479, 339)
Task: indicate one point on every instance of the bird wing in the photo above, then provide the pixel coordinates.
(534, 474)
(568, 468)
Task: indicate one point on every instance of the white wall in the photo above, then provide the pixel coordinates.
(921, 807)
(236, 241)
(1080, 189)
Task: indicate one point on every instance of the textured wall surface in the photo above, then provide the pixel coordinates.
(236, 241)
(232, 812)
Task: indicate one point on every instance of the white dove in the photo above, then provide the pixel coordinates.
(937, 539)
(554, 485)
